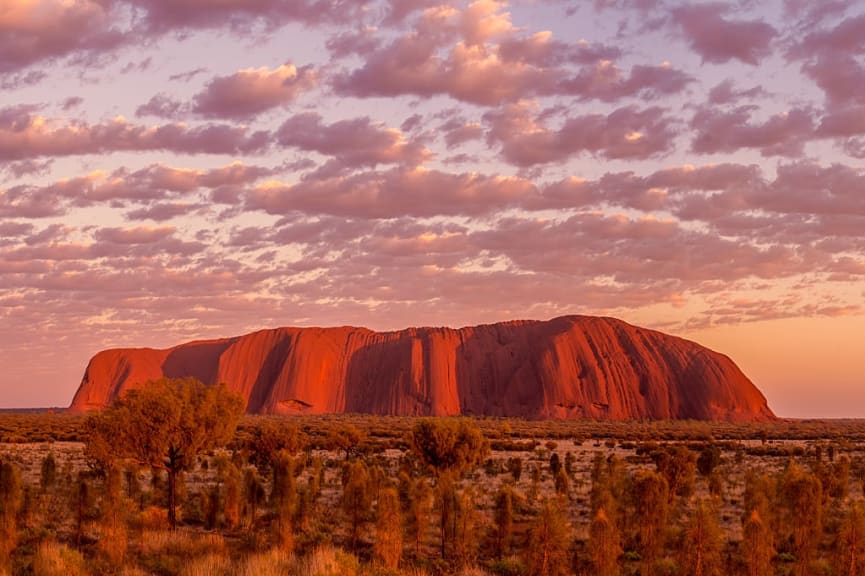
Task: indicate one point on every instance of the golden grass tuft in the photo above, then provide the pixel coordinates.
(327, 561)
(154, 518)
(213, 564)
(181, 542)
(275, 562)
(54, 559)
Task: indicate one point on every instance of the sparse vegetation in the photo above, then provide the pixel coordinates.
(398, 496)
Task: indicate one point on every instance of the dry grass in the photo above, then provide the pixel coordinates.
(327, 561)
(133, 571)
(181, 542)
(214, 564)
(54, 559)
(274, 562)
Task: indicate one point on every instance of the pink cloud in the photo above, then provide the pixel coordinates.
(136, 235)
(624, 133)
(809, 188)
(847, 37)
(398, 192)
(162, 211)
(26, 168)
(605, 81)
(121, 187)
(410, 66)
(476, 55)
(253, 91)
(25, 135)
(457, 131)
(166, 15)
(346, 43)
(31, 32)
(162, 106)
(10, 230)
(843, 122)
(840, 76)
(726, 92)
(783, 134)
(356, 142)
(720, 40)
(399, 10)
(540, 49)
(23, 202)
(634, 252)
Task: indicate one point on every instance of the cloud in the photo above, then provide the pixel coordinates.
(162, 106)
(167, 15)
(252, 91)
(21, 202)
(394, 193)
(783, 134)
(136, 235)
(623, 133)
(162, 211)
(540, 49)
(720, 40)
(32, 32)
(840, 76)
(26, 135)
(605, 81)
(470, 73)
(725, 92)
(477, 55)
(847, 37)
(354, 143)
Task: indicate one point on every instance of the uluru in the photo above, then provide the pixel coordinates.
(567, 367)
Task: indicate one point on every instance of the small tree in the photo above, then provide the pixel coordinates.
(446, 498)
(605, 545)
(113, 541)
(420, 510)
(48, 473)
(802, 494)
(677, 464)
(271, 438)
(231, 479)
(649, 498)
(387, 549)
(253, 493)
(701, 552)
(356, 498)
(709, 459)
(465, 523)
(503, 515)
(11, 498)
(515, 467)
(555, 464)
(283, 496)
(547, 550)
(562, 483)
(165, 424)
(849, 557)
(446, 444)
(81, 501)
(757, 546)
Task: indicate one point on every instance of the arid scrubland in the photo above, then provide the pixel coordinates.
(402, 496)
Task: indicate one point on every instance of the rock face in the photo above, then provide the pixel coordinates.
(568, 367)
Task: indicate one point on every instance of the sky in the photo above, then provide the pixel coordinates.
(174, 170)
